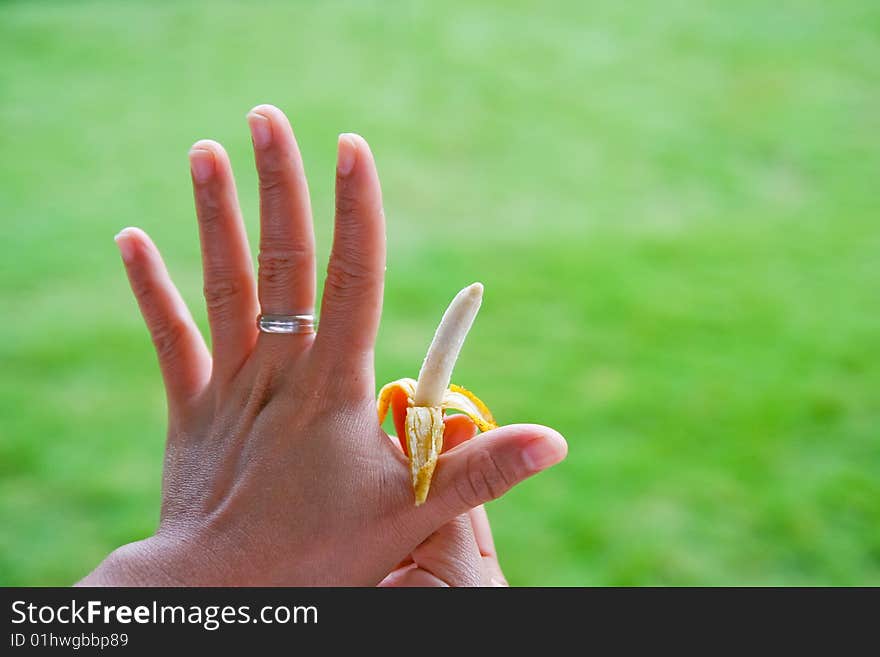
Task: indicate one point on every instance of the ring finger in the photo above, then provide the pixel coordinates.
(287, 241)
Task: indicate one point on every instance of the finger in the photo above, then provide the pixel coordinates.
(287, 240)
(448, 557)
(226, 261)
(456, 430)
(183, 356)
(352, 302)
(412, 577)
(428, 574)
(491, 574)
(482, 531)
(482, 470)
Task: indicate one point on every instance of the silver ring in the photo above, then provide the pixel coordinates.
(290, 324)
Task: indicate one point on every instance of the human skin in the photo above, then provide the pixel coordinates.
(460, 553)
(276, 470)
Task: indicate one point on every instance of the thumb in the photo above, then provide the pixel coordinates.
(483, 469)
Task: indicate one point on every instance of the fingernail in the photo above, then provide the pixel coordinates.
(261, 131)
(126, 248)
(347, 154)
(543, 452)
(201, 163)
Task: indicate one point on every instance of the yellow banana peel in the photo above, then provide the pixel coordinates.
(418, 405)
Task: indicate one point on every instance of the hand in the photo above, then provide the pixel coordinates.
(276, 468)
(461, 552)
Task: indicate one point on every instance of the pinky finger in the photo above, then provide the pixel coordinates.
(183, 357)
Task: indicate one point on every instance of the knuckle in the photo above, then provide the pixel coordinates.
(467, 494)
(352, 208)
(484, 480)
(348, 276)
(273, 165)
(220, 292)
(168, 336)
(144, 289)
(209, 212)
(272, 184)
(277, 266)
(348, 203)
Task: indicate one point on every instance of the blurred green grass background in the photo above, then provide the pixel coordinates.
(673, 205)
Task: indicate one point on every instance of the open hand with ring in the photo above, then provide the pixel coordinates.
(277, 471)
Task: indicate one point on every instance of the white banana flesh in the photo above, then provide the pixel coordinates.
(425, 400)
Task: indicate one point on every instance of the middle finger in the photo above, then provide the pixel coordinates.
(287, 240)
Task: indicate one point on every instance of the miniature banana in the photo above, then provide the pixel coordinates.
(417, 405)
